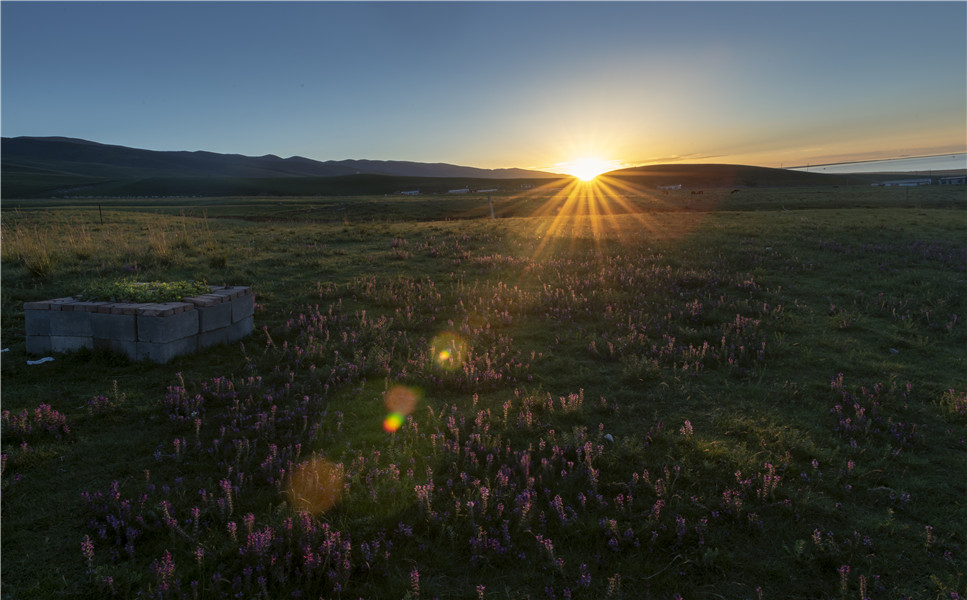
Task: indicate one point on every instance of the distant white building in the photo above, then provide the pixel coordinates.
(954, 180)
(411, 193)
(677, 186)
(460, 191)
(905, 182)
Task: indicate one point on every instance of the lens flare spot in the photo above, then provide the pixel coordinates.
(316, 486)
(393, 422)
(448, 350)
(401, 399)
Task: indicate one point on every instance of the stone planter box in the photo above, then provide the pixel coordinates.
(156, 332)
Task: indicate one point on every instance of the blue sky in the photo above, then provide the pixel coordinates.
(494, 84)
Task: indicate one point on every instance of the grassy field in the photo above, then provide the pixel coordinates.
(751, 395)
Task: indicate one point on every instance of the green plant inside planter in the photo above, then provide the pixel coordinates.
(128, 290)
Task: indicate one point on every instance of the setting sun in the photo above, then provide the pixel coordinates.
(588, 168)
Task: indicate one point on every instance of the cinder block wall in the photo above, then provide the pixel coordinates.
(156, 332)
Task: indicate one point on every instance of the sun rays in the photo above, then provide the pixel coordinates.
(597, 209)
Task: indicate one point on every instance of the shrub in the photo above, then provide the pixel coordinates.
(128, 290)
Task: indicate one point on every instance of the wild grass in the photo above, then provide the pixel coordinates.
(752, 404)
(70, 239)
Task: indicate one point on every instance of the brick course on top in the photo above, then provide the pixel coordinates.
(156, 332)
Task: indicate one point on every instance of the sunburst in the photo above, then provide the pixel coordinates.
(587, 168)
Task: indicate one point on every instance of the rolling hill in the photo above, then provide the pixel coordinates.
(732, 176)
(35, 167)
(51, 166)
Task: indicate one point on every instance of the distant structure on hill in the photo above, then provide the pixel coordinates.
(904, 182)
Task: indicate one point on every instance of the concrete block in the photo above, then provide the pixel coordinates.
(70, 323)
(214, 316)
(243, 307)
(70, 343)
(126, 347)
(213, 338)
(160, 330)
(118, 327)
(38, 344)
(37, 322)
(155, 332)
(241, 329)
(164, 352)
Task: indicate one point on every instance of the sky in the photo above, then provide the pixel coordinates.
(494, 84)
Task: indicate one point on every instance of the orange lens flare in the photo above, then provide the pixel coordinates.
(448, 350)
(393, 422)
(401, 399)
(316, 486)
(400, 402)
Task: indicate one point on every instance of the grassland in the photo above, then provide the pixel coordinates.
(753, 395)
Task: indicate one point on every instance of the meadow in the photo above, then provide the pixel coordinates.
(752, 395)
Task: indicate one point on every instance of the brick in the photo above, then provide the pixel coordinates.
(160, 330)
(206, 300)
(86, 306)
(42, 305)
(214, 317)
(232, 292)
(119, 327)
(164, 352)
(164, 309)
(70, 323)
(37, 322)
(59, 303)
(127, 309)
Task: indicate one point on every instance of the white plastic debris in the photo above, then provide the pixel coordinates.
(609, 437)
(5, 350)
(40, 360)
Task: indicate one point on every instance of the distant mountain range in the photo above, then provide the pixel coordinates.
(43, 167)
(91, 159)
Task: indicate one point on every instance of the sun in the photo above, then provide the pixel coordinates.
(587, 168)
